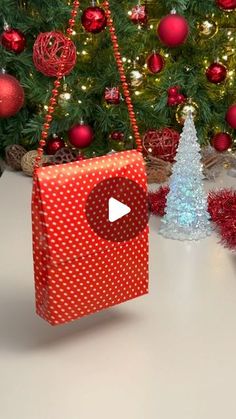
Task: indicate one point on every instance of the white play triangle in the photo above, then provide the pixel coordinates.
(117, 210)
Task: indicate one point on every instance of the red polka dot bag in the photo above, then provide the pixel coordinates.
(86, 257)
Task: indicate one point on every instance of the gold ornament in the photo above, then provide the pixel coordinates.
(64, 97)
(208, 28)
(184, 109)
(136, 78)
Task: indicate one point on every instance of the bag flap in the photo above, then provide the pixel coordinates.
(63, 192)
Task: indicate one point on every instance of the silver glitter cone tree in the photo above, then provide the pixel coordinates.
(186, 216)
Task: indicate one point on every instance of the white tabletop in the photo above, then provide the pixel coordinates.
(169, 355)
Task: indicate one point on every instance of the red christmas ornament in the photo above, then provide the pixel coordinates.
(81, 135)
(161, 143)
(139, 15)
(180, 98)
(112, 95)
(173, 91)
(11, 96)
(231, 116)
(155, 63)
(174, 96)
(13, 40)
(54, 144)
(172, 101)
(216, 73)
(221, 141)
(94, 19)
(173, 30)
(227, 5)
(48, 50)
(117, 136)
(157, 201)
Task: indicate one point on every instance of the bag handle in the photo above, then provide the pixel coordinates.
(57, 83)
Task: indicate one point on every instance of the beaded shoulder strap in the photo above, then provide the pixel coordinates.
(57, 83)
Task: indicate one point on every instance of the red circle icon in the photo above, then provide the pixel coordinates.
(117, 209)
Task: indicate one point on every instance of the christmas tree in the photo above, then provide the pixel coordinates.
(170, 71)
(186, 216)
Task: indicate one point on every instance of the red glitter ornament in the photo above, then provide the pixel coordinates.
(221, 141)
(13, 40)
(54, 144)
(50, 50)
(155, 63)
(112, 95)
(157, 201)
(81, 135)
(173, 30)
(216, 73)
(117, 136)
(231, 116)
(227, 5)
(94, 19)
(11, 96)
(161, 143)
(139, 15)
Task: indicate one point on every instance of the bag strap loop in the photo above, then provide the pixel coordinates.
(57, 83)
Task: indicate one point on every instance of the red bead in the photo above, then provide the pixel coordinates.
(48, 118)
(57, 83)
(69, 31)
(42, 143)
(55, 92)
(71, 22)
(46, 125)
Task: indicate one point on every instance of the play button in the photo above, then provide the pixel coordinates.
(117, 209)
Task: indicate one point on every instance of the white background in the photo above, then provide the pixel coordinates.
(169, 355)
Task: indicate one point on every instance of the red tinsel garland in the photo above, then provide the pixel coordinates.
(221, 206)
(157, 201)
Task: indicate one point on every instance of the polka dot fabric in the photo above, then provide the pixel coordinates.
(76, 271)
